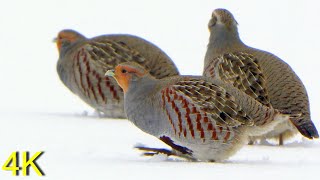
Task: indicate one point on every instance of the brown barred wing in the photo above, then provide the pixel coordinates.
(117, 49)
(242, 70)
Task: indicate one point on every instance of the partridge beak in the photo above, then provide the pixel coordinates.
(54, 40)
(110, 73)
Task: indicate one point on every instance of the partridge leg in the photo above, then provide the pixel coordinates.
(155, 151)
(251, 142)
(281, 139)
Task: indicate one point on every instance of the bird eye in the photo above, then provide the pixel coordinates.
(124, 71)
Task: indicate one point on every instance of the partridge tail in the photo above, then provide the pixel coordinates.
(306, 128)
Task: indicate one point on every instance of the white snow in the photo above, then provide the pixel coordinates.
(37, 113)
(80, 147)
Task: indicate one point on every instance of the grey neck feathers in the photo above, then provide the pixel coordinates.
(142, 85)
(141, 105)
(66, 46)
(223, 40)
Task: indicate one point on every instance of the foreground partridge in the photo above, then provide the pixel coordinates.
(200, 119)
(83, 62)
(260, 74)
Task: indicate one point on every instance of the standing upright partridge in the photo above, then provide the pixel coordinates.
(83, 62)
(260, 74)
(201, 119)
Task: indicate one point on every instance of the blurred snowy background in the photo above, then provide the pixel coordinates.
(37, 113)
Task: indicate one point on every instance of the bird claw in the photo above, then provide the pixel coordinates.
(155, 151)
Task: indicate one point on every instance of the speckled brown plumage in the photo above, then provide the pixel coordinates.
(260, 74)
(83, 62)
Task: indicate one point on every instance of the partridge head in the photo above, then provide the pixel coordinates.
(67, 37)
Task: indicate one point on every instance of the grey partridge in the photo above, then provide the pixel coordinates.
(201, 119)
(83, 62)
(260, 74)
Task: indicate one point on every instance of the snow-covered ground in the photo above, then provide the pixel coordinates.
(37, 113)
(80, 147)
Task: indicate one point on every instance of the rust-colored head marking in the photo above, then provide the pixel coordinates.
(127, 72)
(222, 16)
(67, 36)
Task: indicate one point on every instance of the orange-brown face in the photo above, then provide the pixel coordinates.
(65, 36)
(124, 75)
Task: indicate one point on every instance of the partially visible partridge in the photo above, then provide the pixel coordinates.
(83, 62)
(260, 74)
(200, 119)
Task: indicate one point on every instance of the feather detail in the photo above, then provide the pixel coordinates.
(242, 70)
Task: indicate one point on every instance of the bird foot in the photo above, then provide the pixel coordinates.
(155, 151)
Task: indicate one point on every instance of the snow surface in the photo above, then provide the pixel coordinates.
(37, 113)
(82, 147)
